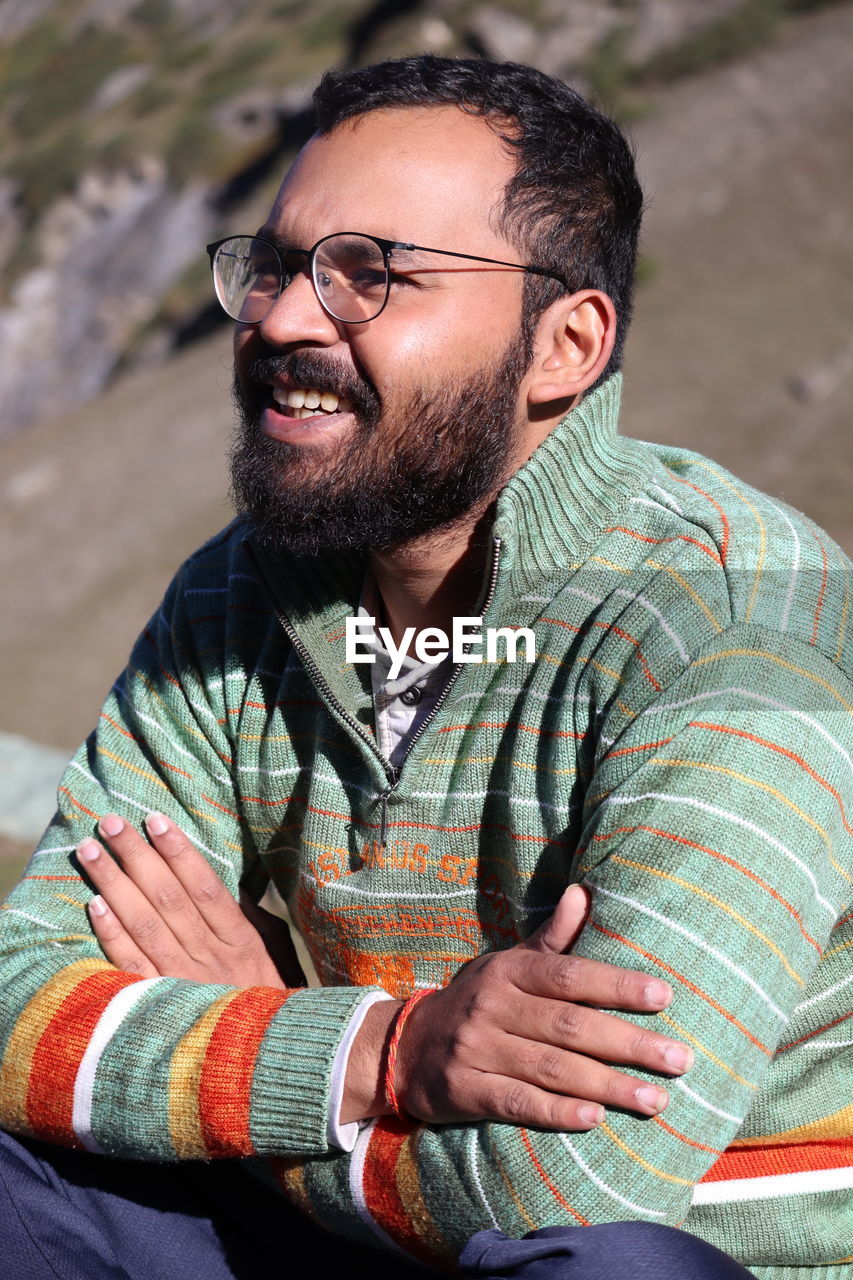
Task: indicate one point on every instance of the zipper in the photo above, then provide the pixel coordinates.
(391, 771)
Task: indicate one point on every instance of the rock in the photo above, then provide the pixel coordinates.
(120, 85)
(250, 116)
(574, 32)
(17, 16)
(211, 16)
(662, 24)
(502, 36)
(108, 254)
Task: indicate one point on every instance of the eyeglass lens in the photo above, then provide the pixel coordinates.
(348, 272)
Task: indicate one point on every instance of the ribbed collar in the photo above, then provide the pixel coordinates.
(554, 508)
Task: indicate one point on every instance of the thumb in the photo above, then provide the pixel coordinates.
(560, 931)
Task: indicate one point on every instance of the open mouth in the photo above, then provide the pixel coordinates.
(300, 402)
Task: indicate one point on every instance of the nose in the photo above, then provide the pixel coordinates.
(297, 317)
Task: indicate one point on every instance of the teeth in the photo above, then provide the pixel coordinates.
(305, 403)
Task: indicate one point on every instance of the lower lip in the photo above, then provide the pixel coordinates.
(280, 426)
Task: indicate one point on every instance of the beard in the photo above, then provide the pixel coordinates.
(445, 451)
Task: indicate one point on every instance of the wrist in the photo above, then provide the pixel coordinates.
(364, 1093)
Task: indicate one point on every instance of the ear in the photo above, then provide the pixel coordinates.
(574, 340)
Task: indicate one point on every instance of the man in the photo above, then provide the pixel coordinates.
(428, 434)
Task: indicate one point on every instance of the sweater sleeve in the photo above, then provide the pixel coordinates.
(153, 1068)
(717, 846)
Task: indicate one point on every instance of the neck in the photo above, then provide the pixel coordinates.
(430, 580)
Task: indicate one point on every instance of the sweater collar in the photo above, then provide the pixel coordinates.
(555, 507)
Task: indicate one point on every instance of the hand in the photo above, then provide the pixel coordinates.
(519, 1036)
(164, 912)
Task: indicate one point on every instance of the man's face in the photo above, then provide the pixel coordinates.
(429, 420)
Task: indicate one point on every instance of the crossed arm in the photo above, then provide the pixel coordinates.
(518, 1036)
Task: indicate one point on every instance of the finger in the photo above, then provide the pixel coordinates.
(152, 875)
(202, 887)
(576, 1075)
(138, 917)
(115, 942)
(517, 1102)
(586, 981)
(560, 931)
(560, 1025)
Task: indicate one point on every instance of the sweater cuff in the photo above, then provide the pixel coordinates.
(292, 1078)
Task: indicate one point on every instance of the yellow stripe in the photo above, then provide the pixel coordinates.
(837, 1125)
(608, 564)
(717, 902)
(685, 586)
(762, 551)
(531, 1222)
(185, 1081)
(629, 1151)
(842, 946)
(703, 1048)
(28, 1030)
(843, 625)
(762, 786)
(789, 666)
(143, 773)
(409, 1187)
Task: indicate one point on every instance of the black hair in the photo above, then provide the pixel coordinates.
(574, 204)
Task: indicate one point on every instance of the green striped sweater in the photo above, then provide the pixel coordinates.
(681, 743)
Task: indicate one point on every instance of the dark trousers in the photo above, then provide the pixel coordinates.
(66, 1215)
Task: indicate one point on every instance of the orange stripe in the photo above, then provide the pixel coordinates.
(555, 1192)
(700, 1146)
(782, 751)
(511, 724)
(682, 537)
(722, 857)
(115, 724)
(822, 593)
(60, 1050)
(623, 635)
(724, 548)
(77, 804)
(762, 1162)
(644, 746)
(691, 986)
(811, 1035)
(379, 1181)
(226, 1077)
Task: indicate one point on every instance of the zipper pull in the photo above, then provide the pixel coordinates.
(383, 818)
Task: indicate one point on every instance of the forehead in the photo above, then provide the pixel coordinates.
(432, 175)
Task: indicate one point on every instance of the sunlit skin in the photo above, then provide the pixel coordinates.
(407, 175)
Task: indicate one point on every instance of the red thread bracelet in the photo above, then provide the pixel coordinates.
(393, 1047)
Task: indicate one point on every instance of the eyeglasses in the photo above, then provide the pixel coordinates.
(351, 273)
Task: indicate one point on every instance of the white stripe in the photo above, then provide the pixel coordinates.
(795, 567)
(822, 995)
(14, 911)
(356, 1187)
(826, 1044)
(756, 697)
(478, 1184)
(614, 1195)
(57, 848)
(774, 1185)
(647, 604)
(703, 1102)
(739, 821)
(668, 499)
(719, 956)
(521, 801)
(206, 591)
(84, 1085)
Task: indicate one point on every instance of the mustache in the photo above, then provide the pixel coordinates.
(308, 369)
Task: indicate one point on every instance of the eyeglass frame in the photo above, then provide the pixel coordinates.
(387, 247)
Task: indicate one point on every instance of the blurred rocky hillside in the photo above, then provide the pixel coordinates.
(133, 131)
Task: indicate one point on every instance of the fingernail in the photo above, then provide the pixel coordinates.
(591, 1115)
(88, 850)
(111, 825)
(97, 906)
(679, 1057)
(651, 1098)
(658, 994)
(156, 824)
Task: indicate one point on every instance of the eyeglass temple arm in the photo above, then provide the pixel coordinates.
(474, 257)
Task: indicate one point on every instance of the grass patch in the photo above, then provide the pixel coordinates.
(732, 36)
(50, 169)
